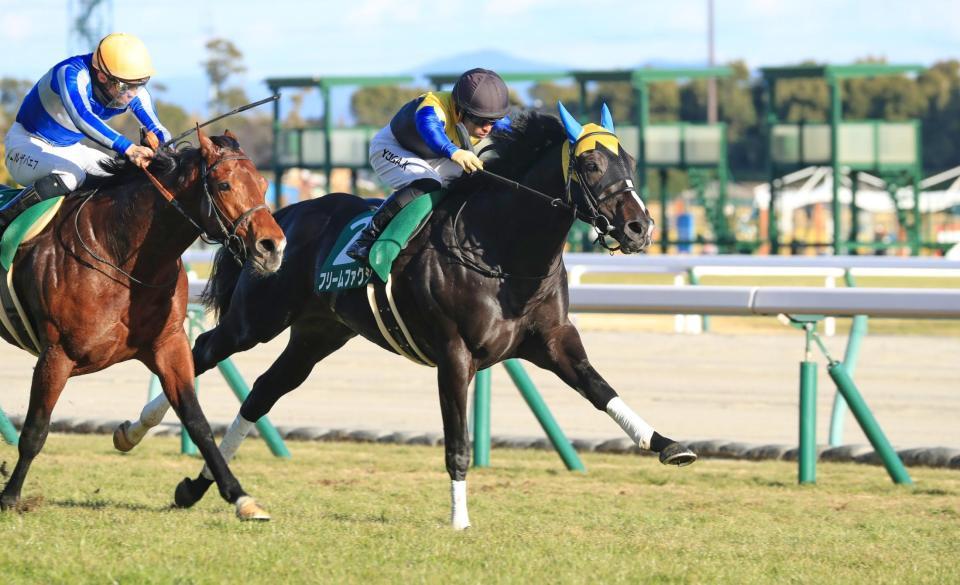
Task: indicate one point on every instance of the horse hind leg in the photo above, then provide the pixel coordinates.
(49, 377)
(304, 350)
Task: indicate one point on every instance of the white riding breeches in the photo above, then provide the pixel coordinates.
(398, 167)
(29, 158)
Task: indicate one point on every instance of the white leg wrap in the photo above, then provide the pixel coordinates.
(458, 505)
(150, 416)
(631, 423)
(231, 442)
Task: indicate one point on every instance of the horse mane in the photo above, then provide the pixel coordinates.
(531, 133)
(122, 182)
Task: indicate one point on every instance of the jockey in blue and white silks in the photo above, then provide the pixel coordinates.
(74, 100)
(420, 150)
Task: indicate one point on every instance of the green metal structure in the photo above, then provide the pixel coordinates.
(7, 430)
(317, 147)
(842, 376)
(889, 149)
(700, 149)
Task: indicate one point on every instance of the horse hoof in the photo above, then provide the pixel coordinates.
(249, 509)
(120, 440)
(183, 496)
(677, 454)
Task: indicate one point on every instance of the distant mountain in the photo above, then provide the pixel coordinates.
(489, 59)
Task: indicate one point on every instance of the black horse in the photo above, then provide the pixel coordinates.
(483, 282)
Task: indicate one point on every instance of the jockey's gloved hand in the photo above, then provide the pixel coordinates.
(149, 139)
(139, 155)
(467, 160)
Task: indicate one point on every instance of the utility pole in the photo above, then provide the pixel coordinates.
(711, 61)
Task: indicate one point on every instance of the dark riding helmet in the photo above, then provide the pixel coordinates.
(481, 93)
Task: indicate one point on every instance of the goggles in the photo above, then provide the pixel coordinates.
(478, 121)
(122, 86)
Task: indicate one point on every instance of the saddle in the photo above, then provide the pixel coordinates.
(337, 271)
(23, 215)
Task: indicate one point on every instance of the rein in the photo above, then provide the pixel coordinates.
(227, 238)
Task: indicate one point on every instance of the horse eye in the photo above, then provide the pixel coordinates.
(223, 186)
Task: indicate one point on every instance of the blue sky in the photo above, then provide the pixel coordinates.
(288, 38)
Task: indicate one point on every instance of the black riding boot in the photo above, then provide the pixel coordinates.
(360, 250)
(44, 188)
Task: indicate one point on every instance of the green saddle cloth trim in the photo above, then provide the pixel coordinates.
(399, 231)
(18, 229)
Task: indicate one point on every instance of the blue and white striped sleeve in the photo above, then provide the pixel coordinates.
(73, 84)
(433, 132)
(143, 109)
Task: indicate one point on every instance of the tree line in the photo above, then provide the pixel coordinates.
(932, 96)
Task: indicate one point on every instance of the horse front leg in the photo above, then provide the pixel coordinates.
(49, 377)
(562, 352)
(173, 364)
(453, 379)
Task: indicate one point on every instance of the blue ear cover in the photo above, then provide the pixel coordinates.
(574, 129)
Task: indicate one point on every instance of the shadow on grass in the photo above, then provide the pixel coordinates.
(107, 504)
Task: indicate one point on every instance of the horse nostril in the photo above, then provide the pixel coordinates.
(637, 228)
(266, 247)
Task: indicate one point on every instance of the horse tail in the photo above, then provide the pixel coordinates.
(221, 284)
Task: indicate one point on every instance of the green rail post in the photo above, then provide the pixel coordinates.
(240, 389)
(481, 419)
(858, 329)
(540, 410)
(264, 426)
(807, 456)
(7, 430)
(154, 389)
(868, 423)
(187, 446)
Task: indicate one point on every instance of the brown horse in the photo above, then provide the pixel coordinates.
(103, 283)
(482, 282)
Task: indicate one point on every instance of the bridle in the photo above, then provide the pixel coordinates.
(227, 230)
(589, 211)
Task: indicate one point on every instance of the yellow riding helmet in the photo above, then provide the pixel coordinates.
(123, 56)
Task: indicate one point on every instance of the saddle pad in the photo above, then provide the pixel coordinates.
(27, 225)
(341, 272)
(7, 195)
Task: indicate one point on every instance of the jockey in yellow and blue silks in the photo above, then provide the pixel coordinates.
(72, 101)
(420, 151)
